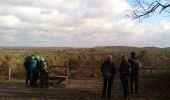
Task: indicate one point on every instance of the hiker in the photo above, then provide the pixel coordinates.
(44, 73)
(124, 76)
(108, 70)
(134, 77)
(37, 58)
(33, 71)
(27, 69)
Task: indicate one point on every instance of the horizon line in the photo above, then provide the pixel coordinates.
(80, 47)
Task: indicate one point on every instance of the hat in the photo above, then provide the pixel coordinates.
(37, 57)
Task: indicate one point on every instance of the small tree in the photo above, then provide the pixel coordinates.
(147, 59)
(6, 66)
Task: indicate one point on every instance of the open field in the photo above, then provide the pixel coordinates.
(74, 58)
(151, 88)
(154, 82)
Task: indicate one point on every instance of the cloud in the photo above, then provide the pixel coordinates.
(9, 21)
(78, 23)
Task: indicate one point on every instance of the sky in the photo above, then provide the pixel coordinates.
(78, 23)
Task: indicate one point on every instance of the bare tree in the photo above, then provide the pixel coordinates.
(145, 8)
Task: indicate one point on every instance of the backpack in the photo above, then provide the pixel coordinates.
(26, 62)
(107, 73)
(33, 65)
(134, 64)
(44, 66)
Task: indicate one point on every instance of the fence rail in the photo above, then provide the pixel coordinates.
(93, 69)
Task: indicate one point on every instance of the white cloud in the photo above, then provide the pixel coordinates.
(84, 23)
(9, 21)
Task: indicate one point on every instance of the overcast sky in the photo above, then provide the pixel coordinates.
(77, 23)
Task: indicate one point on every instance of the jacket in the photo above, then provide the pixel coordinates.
(124, 69)
(110, 66)
(33, 65)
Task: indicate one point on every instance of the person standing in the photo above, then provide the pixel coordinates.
(124, 76)
(134, 77)
(37, 75)
(27, 69)
(33, 71)
(44, 73)
(108, 70)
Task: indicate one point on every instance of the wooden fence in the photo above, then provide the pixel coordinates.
(93, 69)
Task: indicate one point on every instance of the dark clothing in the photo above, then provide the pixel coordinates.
(44, 74)
(124, 70)
(124, 77)
(107, 87)
(108, 70)
(44, 79)
(134, 64)
(134, 77)
(134, 83)
(34, 78)
(37, 68)
(26, 66)
(125, 86)
(27, 80)
(110, 66)
(26, 63)
(33, 72)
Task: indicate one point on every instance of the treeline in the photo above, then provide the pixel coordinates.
(149, 57)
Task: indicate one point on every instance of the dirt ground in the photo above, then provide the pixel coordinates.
(154, 88)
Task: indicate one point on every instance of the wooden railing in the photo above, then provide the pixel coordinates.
(93, 69)
(77, 67)
(67, 70)
(154, 69)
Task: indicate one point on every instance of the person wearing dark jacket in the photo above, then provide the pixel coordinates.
(44, 73)
(124, 76)
(108, 70)
(134, 64)
(27, 69)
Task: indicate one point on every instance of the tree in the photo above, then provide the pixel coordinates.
(6, 66)
(145, 8)
(147, 59)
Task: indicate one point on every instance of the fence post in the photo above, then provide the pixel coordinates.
(151, 72)
(66, 70)
(9, 73)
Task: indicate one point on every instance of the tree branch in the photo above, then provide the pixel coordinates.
(145, 9)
